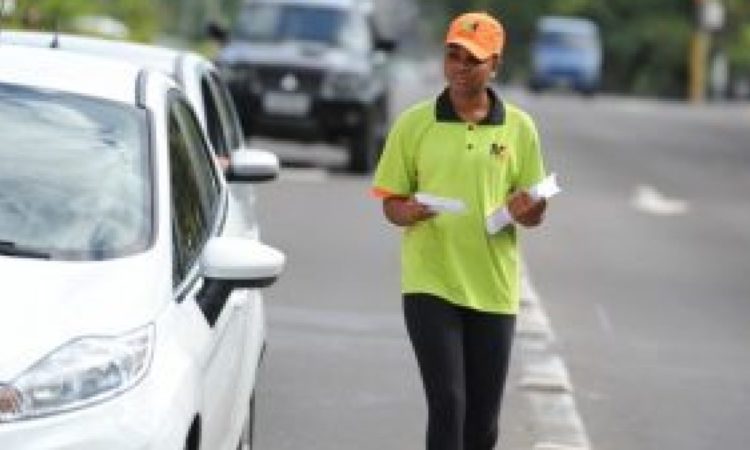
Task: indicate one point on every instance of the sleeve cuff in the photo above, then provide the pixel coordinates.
(382, 193)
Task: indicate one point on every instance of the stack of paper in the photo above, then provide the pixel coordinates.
(440, 204)
(545, 189)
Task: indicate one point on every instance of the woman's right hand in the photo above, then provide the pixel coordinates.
(406, 211)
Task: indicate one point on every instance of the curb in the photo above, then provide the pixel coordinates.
(545, 382)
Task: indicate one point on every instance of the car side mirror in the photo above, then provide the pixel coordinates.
(252, 166)
(241, 262)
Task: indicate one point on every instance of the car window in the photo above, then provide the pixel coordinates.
(74, 175)
(235, 137)
(566, 38)
(221, 116)
(217, 131)
(355, 34)
(194, 188)
(272, 23)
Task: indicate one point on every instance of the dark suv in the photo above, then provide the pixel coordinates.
(311, 70)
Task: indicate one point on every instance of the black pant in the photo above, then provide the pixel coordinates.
(463, 356)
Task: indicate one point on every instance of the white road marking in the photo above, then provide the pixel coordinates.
(548, 374)
(544, 379)
(603, 317)
(647, 199)
(532, 322)
(558, 424)
(553, 446)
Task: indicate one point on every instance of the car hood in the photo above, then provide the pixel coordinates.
(48, 303)
(299, 54)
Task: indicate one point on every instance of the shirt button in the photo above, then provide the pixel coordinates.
(469, 146)
(471, 127)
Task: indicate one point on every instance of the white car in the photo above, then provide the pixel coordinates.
(216, 112)
(130, 318)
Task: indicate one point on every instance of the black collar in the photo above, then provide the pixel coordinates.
(444, 111)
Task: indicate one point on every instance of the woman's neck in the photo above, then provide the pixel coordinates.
(472, 107)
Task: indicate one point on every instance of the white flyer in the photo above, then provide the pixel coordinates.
(545, 189)
(440, 204)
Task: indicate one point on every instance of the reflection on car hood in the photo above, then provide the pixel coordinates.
(301, 54)
(47, 303)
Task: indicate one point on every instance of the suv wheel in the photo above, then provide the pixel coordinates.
(364, 147)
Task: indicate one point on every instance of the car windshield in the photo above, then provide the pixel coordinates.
(273, 23)
(74, 176)
(566, 39)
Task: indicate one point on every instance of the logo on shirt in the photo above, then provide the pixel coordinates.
(498, 150)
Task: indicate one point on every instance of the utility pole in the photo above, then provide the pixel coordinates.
(709, 18)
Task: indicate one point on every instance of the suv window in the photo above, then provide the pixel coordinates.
(273, 23)
(194, 188)
(75, 176)
(356, 34)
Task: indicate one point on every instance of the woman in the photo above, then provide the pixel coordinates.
(460, 283)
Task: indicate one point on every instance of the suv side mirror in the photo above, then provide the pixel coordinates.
(217, 32)
(252, 166)
(386, 45)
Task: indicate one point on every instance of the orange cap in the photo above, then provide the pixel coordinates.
(477, 32)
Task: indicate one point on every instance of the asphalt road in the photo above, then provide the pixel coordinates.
(642, 267)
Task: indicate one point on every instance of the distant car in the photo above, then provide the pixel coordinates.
(128, 293)
(311, 70)
(566, 51)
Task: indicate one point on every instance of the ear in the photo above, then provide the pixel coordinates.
(496, 63)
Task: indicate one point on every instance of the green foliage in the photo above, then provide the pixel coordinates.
(736, 38)
(138, 15)
(48, 14)
(739, 49)
(646, 42)
(187, 19)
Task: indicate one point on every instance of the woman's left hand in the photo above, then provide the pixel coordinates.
(524, 210)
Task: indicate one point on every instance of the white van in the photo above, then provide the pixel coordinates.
(566, 51)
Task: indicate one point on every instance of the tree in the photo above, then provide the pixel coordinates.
(138, 15)
(646, 43)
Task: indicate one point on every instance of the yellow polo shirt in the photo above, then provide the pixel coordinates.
(430, 149)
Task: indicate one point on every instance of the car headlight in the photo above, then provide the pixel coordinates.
(345, 84)
(86, 370)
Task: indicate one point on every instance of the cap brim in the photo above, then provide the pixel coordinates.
(473, 48)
